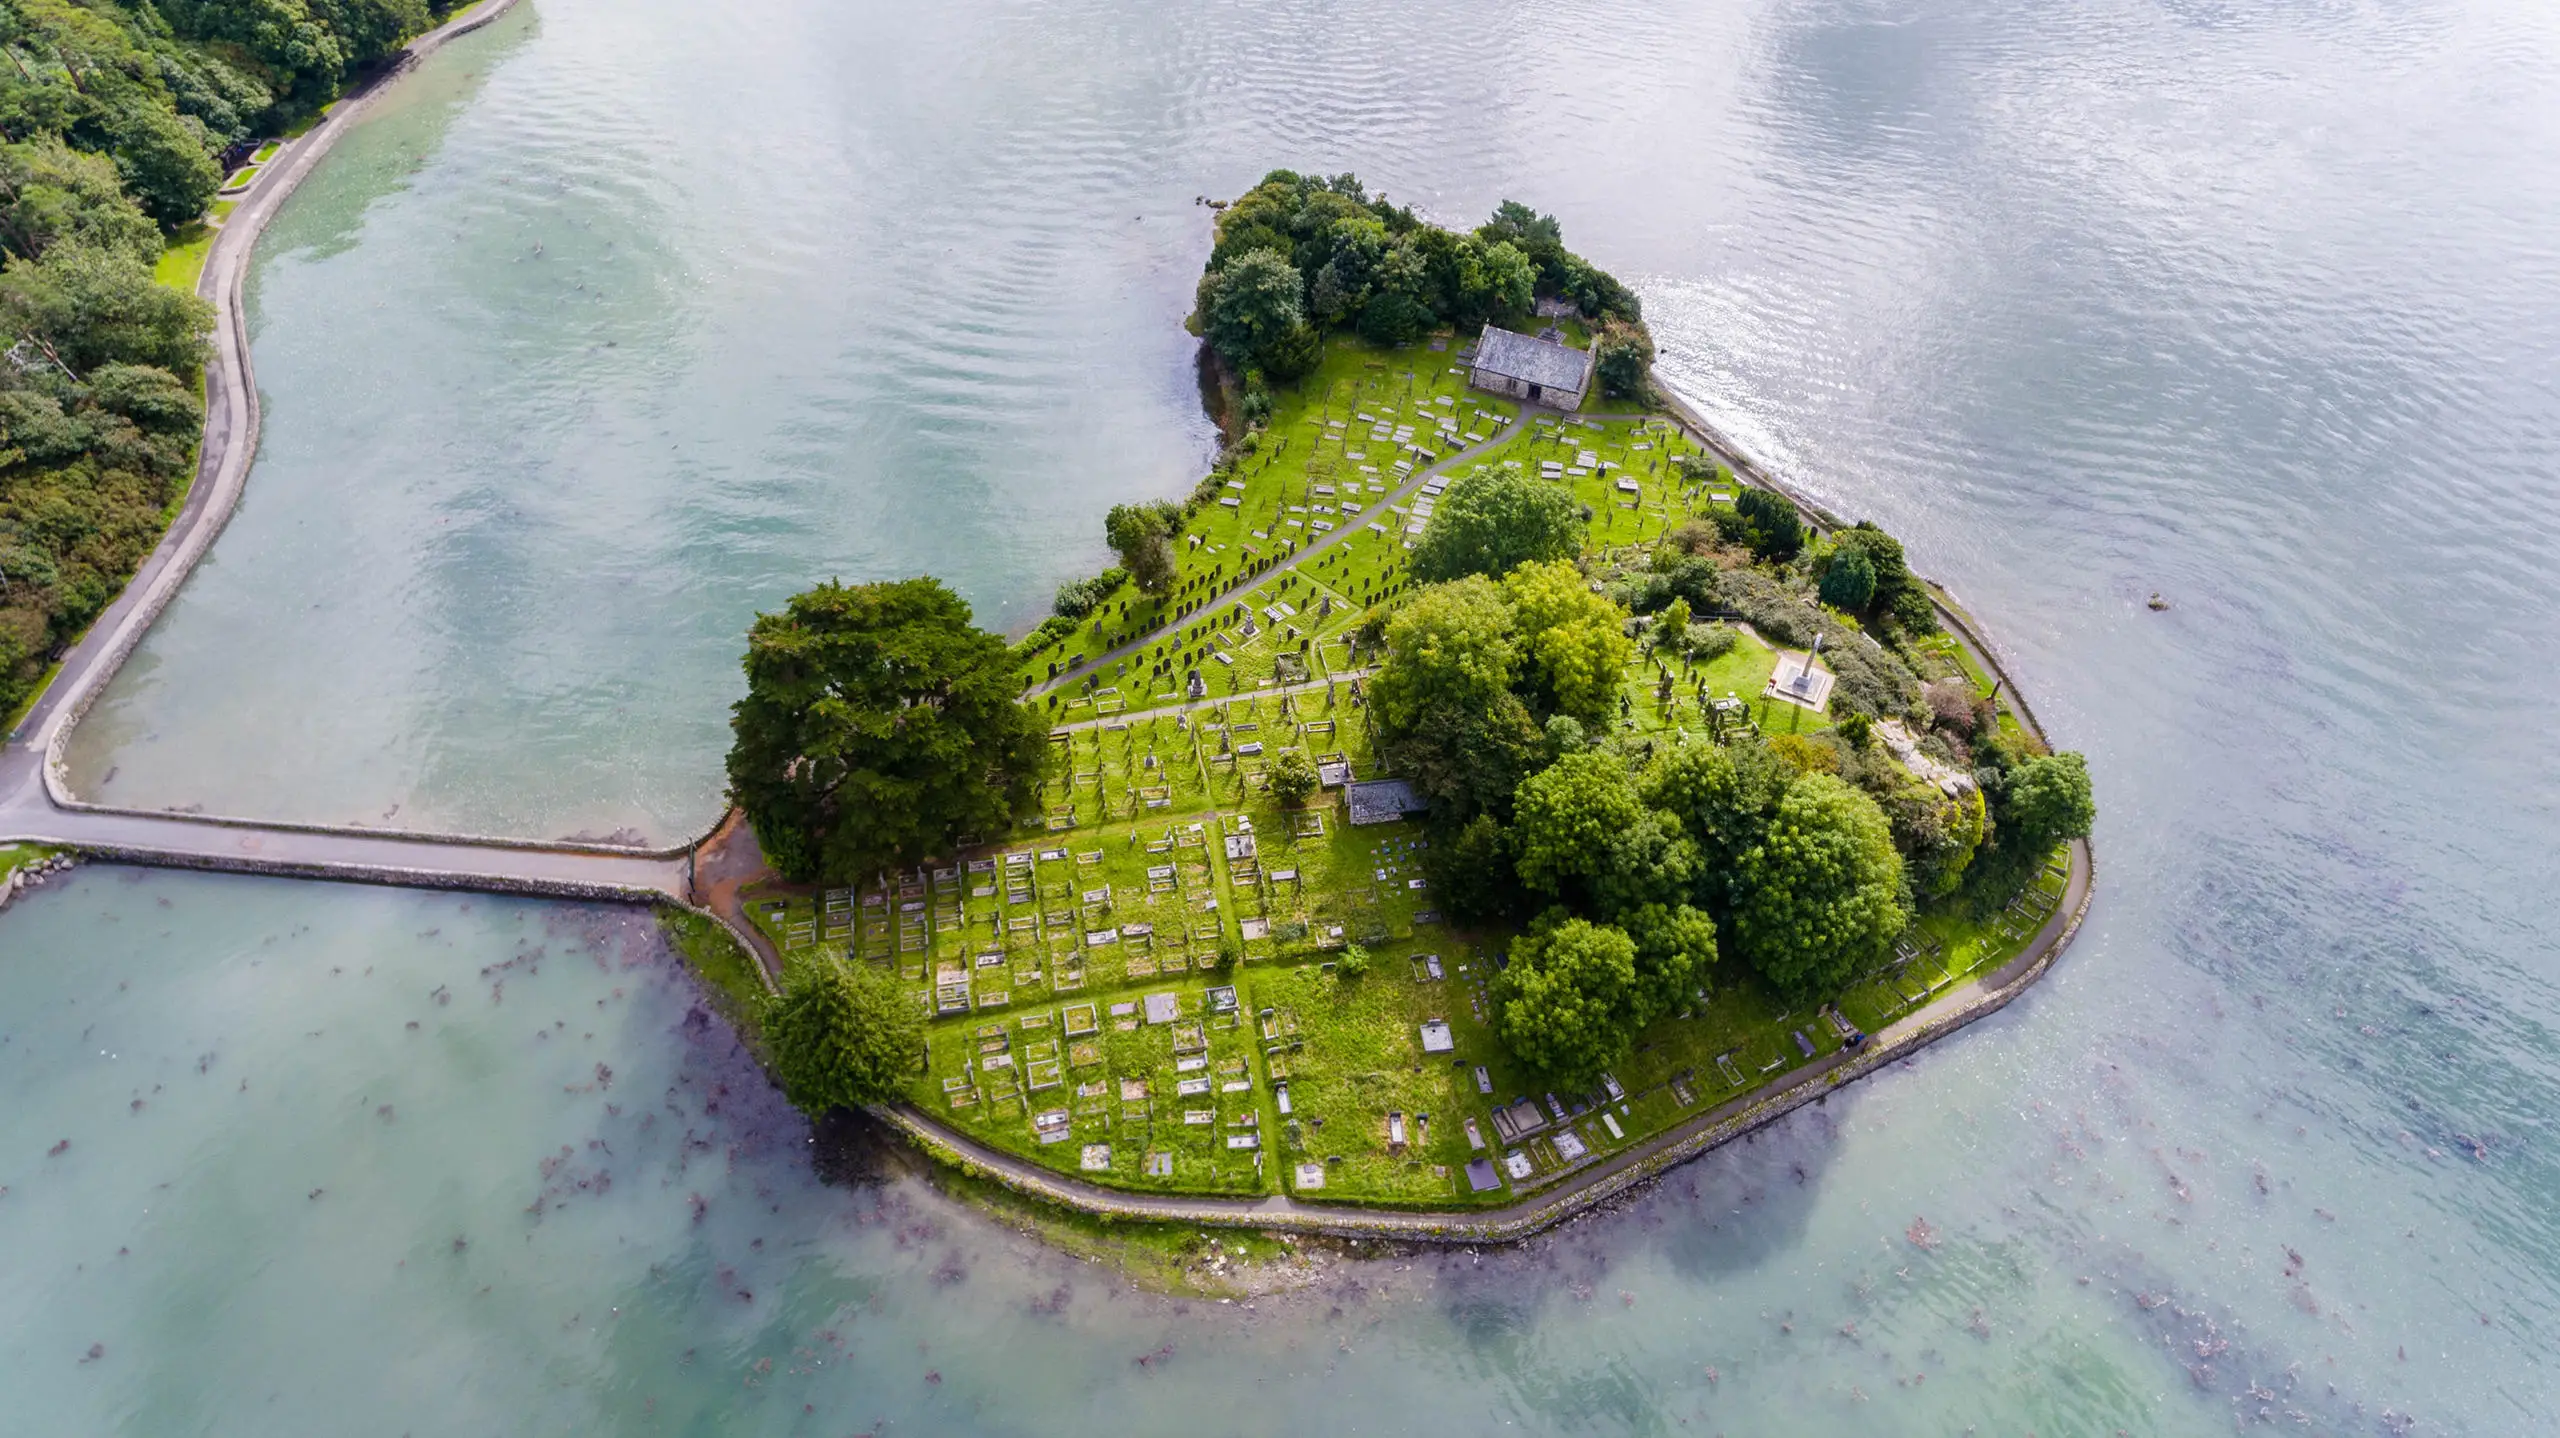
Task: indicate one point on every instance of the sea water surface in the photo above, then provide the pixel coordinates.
(623, 320)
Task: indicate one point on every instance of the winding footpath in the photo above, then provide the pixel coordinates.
(36, 802)
(38, 806)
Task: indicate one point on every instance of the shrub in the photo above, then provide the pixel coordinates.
(1709, 642)
(1293, 778)
(1077, 600)
(1950, 704)
(1622, 360)
(1352, 962)
(1850, 581)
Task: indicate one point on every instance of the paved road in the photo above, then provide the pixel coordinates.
(36, 803)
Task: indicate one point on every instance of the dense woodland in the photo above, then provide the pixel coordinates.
(115, 122)
(1300, 256)
(1634, 862)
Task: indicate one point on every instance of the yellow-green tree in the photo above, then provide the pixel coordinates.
(1573, 642)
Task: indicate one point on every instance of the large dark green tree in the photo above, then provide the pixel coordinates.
(1492, 521)
(1251, 306)
(1767, 522)
(880, 727)
(842, 1034)
(1850, 581)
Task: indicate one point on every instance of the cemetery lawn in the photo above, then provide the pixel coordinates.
(1140, 988)
(1038, 961)
(1158, 851)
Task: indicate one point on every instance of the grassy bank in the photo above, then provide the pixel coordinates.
(1177, 1259)
(15, 855)
(728, 972)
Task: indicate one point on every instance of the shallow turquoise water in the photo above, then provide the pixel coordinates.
(2251, 305)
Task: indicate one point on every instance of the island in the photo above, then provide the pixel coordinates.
(1484, 789)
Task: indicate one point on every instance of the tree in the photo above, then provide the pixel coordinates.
(155, 400)
(281, 36)
(1507, 281)
(1770, 524)
(1449, 649)
(1467, 759)
(879, 727)
(1675, 946)
(1536, 236)
(842, 1035)
(1724, 796)
(2046, 800)
(1567, 820)
(1295, 354)
(1142, 535)
(1573, 641)
(371, 29)
(1294, 778)
(51, 192)
(1492, 521)
(1582, 835)
(98, 307)
(1566, 998)
(1850, 582)
(1393, 317)
(1883, 553)
(161, 158)
(1471, 868)
(1622, 360)
(2033, 801)
(1251, 304)
(1821, 896)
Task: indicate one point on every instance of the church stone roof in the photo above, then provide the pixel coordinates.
(1536, 361)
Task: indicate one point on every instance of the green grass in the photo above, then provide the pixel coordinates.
(240, 177)
(308, 123)
(182, 263)
(1317, 454)
(736, 987)
(1034, 957)
(14, 855)
(1168, 1258)
(266, 152)
(1044, 930)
